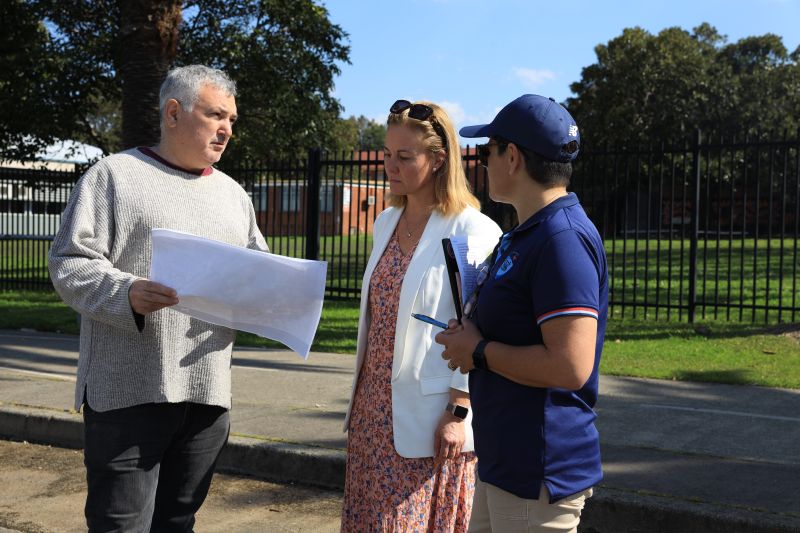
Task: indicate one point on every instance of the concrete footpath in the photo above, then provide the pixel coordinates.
(677, 456)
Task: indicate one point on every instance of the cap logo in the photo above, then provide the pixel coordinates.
(573, 131)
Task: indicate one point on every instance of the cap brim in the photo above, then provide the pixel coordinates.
(481, 130)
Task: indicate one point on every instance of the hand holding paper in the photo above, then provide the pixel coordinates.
(276, 297)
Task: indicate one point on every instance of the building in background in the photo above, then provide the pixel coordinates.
(34, 193)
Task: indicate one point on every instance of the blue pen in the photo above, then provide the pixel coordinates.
(429, 320)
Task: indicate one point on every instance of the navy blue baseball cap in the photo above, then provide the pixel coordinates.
(534, 122)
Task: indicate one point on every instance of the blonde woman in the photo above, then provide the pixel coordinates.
(410, 460)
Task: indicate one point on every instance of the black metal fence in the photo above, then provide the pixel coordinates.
(704, 229)
(31, 202)
(323, 207)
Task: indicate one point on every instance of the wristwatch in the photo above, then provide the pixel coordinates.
(458, 411)
(478, 356)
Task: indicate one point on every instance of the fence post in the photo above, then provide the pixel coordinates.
(312, 203)
(695, 235)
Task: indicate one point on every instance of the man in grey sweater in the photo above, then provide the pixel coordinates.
(154, 384)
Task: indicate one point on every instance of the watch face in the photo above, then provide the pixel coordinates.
(460, 411)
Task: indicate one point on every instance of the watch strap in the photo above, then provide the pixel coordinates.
(479, 356)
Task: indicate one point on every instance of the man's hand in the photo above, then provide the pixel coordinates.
(147, 296)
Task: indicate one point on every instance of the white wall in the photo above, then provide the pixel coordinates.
(29, 224)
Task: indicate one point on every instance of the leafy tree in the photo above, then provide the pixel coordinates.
(646, 86)
(358, 134)
(29, 91)
(283, 55)
(82, 45)
(107, 59)
(344, 136)
(371, 134)
(765, 84)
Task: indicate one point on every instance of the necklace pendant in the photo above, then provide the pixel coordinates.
(408, 234)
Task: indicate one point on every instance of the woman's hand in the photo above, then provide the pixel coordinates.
(448, 439)
(459, 342)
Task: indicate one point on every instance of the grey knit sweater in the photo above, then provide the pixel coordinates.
(103, 246)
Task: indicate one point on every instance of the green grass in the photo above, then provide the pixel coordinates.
(744, 273)
(709, 351)
(42, 311)
(24, 261)
(338, 328)
(346, 256)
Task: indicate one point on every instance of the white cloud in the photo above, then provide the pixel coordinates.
(484, 117)
(533, 78)
(461, 118)
(454, 109)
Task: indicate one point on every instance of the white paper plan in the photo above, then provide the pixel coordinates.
(470, 252)
(273, 296)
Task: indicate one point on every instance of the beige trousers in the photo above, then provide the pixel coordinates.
(498, 511)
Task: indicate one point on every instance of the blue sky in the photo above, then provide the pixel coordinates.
(474, 56)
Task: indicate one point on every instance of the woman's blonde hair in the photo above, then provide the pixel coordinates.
(451, 189)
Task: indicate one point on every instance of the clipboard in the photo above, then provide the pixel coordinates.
(452, 274)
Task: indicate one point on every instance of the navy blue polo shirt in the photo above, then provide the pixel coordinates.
(552, 265)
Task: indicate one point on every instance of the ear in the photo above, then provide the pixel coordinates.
(515, 159)
(438, 160)
(171, 110)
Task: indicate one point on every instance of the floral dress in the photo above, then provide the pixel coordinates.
(384, 491)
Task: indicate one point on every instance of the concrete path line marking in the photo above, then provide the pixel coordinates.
(50, 375)
(36, 350)
(245, 367)
(22, 334)
(67, 377)
(720, 412)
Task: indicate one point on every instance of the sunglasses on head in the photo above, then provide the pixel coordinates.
(420, 112)
(484, 150)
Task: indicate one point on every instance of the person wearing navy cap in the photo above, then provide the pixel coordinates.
(533, 333)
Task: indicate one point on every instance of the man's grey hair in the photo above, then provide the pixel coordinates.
(183, 84)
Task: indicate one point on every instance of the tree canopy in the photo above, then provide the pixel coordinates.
(283, 55)
(37, 104)
(64, 66)
(645, 87)
(358, 133)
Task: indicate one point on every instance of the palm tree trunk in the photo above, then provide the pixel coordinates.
(149, 38)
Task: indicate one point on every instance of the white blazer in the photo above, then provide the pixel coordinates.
(421, 381)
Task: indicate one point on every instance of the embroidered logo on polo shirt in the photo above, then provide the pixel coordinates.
(507, 265)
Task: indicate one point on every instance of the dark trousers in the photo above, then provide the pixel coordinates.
(149, 467)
